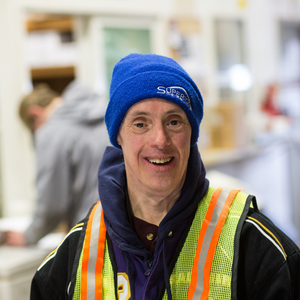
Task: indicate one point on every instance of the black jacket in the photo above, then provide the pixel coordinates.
(266, 264)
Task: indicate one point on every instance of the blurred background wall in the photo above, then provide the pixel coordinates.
(244, 55)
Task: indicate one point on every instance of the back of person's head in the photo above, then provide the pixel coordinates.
(42, 95)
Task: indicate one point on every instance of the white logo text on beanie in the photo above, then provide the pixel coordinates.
(177, 92)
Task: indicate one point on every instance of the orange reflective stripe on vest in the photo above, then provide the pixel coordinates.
(208, 238)
(93, 254)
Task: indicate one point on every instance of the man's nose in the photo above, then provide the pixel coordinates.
(159, 137)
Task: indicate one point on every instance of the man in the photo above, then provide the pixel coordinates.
(70, 138)
(160, 231)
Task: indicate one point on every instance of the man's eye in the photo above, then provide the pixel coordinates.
(139, 125)
(174, 122)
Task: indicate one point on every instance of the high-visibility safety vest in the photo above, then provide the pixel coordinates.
(203, 270)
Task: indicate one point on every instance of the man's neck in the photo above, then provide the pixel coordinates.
(149, 207)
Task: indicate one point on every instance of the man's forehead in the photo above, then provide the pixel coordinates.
(150, 106)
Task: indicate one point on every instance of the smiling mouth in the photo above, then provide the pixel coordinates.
(159, 161)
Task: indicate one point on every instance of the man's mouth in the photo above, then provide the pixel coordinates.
(159, 161)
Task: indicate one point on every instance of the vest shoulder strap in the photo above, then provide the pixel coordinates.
(89, 281)
(199, 266)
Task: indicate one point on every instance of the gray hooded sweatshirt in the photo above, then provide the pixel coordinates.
(69, 149)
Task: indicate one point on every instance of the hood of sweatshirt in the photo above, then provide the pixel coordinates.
(80, 104)
(112, 192)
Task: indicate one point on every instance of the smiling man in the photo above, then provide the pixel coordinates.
(160, 231)
(155, 138)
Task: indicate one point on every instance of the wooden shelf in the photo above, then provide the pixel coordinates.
(220, 156)
(59, 24)
(57, 77)
(52, 72)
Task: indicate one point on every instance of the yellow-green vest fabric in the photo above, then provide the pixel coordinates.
(221, 270)
(180, 279)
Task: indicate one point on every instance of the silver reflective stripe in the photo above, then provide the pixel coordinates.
(206, 242)
(93, 253)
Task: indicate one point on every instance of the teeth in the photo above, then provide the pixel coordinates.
(159, 160)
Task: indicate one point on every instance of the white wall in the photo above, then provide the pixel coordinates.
(16, 159)
(261, 22)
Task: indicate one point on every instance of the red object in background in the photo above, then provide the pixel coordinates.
(269, 104)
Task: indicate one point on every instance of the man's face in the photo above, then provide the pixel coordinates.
(155, 138)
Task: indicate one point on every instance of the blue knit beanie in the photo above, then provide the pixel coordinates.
(138, 77)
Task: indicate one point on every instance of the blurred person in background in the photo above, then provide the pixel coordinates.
(161, 231)
(69, 139)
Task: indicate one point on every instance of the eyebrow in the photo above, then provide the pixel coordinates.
(139, 113)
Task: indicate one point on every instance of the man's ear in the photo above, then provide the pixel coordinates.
(35, 111)
(119, 139)
(37, 114)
